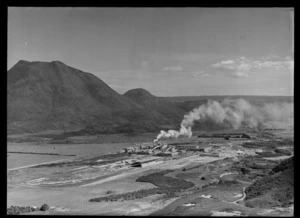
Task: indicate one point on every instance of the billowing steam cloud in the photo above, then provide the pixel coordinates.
(235, 113)
(184, 131)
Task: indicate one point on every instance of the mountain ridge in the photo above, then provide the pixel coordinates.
(53, 95)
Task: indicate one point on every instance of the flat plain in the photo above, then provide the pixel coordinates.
(100, 180)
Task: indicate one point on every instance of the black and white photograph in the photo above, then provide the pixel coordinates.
(150, 111)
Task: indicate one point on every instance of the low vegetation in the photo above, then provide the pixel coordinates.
(167, 186)
(274, 189)
(283, 151)
(16, 210)
(159, 179)
(271, 144)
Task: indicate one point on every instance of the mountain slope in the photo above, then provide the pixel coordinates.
(160, 108)
(52, 95)
(274, 189)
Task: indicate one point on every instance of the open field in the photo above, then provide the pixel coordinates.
(100, 180)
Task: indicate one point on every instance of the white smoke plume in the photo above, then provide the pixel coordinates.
(184, 131)
(236, 113)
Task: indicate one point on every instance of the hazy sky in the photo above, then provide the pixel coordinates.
(168, 51)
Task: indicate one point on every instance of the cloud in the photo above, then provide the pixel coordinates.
(228, 62)
(173, 68)
(200, 73)
(237, 69)
(242, 67)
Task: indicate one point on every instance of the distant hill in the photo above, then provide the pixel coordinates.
(192, 101)
(51, 95)
(161, 108)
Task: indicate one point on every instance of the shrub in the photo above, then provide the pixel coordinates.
(44, 207)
